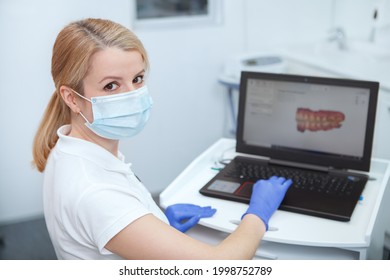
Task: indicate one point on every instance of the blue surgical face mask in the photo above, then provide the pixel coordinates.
(121, 115)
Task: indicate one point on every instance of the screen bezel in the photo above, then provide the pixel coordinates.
(304, 157)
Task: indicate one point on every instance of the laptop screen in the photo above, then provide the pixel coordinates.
(310, 120)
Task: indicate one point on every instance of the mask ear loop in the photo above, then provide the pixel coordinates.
(83, 97)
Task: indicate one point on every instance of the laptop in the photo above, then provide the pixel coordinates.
(316, 131)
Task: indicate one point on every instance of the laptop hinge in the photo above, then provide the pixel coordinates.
(338, 171)
(309, 166)
(299, 165)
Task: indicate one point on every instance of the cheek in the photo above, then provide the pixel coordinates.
(86, 109)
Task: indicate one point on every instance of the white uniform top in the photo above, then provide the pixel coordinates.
(89, 196)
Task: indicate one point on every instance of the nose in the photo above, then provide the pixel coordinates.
(131, 86)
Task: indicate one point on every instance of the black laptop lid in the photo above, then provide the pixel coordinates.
(311, 120)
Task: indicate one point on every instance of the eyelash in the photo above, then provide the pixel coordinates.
(140, 79)
(106, 87)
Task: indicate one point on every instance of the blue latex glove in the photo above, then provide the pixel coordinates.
(266, 197)
(185, 216)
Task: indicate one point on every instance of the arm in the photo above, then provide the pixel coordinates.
(150, 238)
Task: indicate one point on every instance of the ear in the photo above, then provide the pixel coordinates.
(69, 98)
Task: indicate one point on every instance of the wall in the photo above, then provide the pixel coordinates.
(190, 109)
(270, 24)
(189, 105)
(188, 114)
(27, 31)
(356, 17)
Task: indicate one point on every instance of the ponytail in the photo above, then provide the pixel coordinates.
(57, 113)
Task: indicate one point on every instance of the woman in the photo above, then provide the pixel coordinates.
(95, 207)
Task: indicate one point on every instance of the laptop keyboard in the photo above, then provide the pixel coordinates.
(305, 180)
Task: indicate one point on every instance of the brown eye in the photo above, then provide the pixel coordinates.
(138, 79)
(111, 87)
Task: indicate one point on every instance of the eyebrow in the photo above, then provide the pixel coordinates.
(110, 78)
(120, 78)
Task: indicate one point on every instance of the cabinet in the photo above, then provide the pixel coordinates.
(381, 147)
(378, 227)
(295, 236)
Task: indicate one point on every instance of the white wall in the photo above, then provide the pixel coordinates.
(27, 32)
(277, 23)
(190, 109)
(189, 104)
(356, 18)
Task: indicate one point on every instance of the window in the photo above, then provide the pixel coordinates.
(175, 12)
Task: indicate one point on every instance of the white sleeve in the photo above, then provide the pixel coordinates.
(104, 211)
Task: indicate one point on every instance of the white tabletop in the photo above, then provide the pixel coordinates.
(285, 227)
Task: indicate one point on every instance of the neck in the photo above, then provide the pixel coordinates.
(79, 130)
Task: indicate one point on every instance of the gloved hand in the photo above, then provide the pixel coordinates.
(266, 197)
(185, 216)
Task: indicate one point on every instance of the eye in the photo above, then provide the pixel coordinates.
(111, 86)
(138, 80)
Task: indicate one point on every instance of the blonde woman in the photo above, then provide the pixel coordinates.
(94, 205)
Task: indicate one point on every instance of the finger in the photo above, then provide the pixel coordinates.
(185, 216)
(273, 178)
(190, 223)
(277, 180)
(208, 212)
(280, 180)
(287, 183)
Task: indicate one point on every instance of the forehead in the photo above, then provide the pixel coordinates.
(115, 62)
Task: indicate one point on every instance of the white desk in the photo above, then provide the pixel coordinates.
(296, 236)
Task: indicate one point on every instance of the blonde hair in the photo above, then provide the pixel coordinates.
(72, 50)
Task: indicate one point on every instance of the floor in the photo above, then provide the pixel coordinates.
(27, 240)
